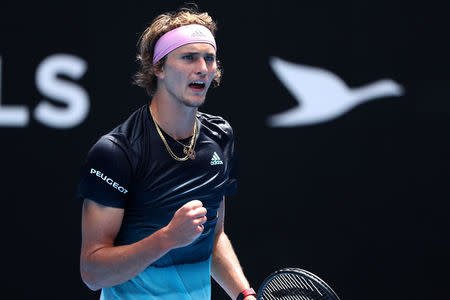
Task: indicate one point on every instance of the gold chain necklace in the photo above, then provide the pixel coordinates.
(188, 150)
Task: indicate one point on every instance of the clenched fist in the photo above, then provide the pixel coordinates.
(186, 224)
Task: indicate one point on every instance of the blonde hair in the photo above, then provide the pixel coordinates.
(162, 24)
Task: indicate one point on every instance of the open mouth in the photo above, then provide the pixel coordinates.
(197, 86)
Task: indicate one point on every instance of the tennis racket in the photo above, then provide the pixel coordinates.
(295, 284)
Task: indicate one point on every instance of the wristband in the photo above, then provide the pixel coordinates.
(245, 293)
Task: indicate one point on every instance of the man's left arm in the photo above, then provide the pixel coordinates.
(225, 267)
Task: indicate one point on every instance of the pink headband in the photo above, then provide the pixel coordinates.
(181, 36)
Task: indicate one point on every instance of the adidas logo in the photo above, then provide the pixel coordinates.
(197, 33)
(215, 160)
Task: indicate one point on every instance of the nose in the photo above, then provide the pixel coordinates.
(202, 68)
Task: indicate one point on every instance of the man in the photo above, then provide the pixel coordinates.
(154, 187)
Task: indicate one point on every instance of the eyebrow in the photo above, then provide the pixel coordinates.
(197, 53)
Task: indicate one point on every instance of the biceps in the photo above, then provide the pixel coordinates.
(100, 225)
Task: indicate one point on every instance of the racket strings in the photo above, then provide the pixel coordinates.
(293, 287)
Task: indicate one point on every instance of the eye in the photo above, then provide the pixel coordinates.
(210, 58)
(188, 57)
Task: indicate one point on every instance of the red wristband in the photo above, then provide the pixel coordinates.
(245, 293)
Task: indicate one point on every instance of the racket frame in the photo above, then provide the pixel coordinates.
(297, 271)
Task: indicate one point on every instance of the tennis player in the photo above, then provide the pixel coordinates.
(154, 187)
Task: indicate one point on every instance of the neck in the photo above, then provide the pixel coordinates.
(176, 119)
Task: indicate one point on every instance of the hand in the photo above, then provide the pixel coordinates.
(186, 224)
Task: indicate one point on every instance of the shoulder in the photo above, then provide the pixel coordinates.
(215, 123)
(132, 129)
(122, 140)
(108, 149)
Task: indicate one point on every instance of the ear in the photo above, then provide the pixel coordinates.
(159, 72)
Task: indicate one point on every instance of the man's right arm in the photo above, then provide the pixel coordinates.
(103, 265)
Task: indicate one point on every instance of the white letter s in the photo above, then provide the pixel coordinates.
(48, 83)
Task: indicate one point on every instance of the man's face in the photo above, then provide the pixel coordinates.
(188, 73)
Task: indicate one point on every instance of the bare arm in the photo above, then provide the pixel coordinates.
(225, 267)
(102, 264)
